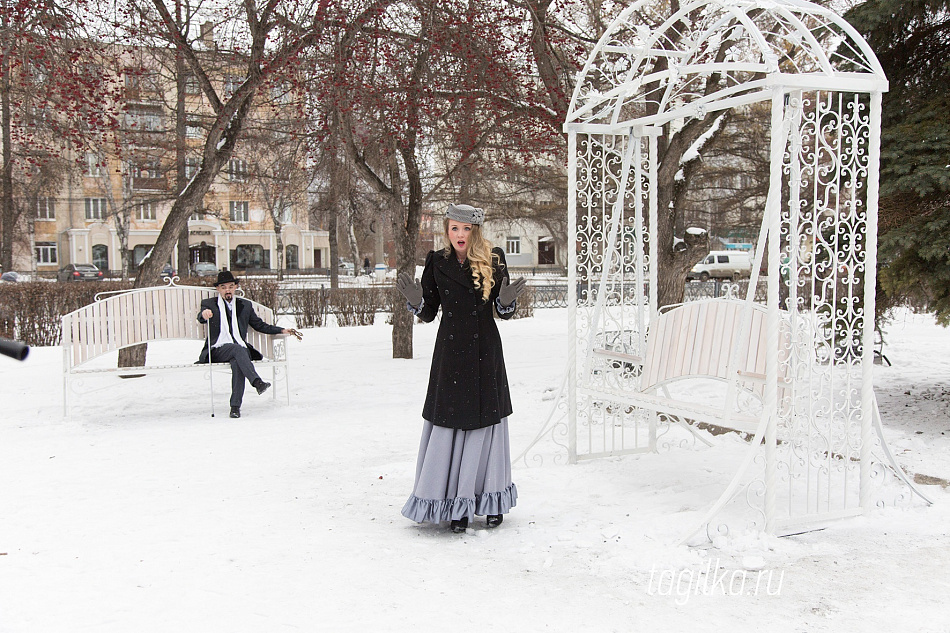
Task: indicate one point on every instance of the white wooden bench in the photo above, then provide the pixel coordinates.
(160, 313)
(720, 339)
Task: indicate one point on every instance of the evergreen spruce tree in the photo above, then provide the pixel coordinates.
(912, 41)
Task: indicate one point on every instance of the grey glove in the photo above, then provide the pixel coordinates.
(507, 293)
(410, 288)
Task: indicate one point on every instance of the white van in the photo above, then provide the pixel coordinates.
(722, 265)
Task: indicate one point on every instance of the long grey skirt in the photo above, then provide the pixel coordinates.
(461, 474)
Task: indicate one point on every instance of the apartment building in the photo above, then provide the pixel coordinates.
(122, 192)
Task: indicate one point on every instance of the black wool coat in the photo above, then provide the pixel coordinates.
(245, 317)
(468, 385)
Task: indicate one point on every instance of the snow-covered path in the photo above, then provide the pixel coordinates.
(143, 513)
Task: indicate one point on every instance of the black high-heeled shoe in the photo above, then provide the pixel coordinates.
(460, 525)
(494, 520)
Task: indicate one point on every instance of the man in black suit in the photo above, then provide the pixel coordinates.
(228, 337)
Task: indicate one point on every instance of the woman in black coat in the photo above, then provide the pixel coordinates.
(463, 467)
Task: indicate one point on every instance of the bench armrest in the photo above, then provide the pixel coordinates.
(628, 358)
(757, 377)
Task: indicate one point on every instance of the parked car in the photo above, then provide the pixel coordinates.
(168, 271)
(204, 269)
(10, 276)
(722, 265)
(79, 272)
(346, 268)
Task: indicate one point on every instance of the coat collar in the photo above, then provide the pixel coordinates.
(449, 267)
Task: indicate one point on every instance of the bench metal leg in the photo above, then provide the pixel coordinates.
(890, 456)
(677, 420)
(733, 486)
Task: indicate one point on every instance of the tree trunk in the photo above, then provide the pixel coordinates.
(152, 265)
(333, 216)
(280, 252)
(6, 175)
(406, 224)
(404, 242)
(181, 122)
(333, 264)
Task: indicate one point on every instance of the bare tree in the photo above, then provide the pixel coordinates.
(276, 174)
(262, 42)
(51, 96)
(422, 73)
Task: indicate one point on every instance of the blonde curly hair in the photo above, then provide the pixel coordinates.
(480, 257)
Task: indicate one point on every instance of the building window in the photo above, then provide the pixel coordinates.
(93, 165)
(145, 211)
(191, 167)
(286, 213)
(237, 170)
(145, 170)
(280, 93)
(291, 261)
(137, 79)
(196, 216)
(100, 256)
(139, 253)
(239, 211)
(38, 71)
(144, 119)
(45, 253)
(193, 130)
(95, 208)
(45, 209)
(231, 84)
(513, 245)
(546, 250)
(39, 116)
(250, 256)
(192, 87)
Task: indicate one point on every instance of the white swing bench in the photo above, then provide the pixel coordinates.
(721, 339)
(121, 319)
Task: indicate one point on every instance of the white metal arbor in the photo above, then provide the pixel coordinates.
(818, 452)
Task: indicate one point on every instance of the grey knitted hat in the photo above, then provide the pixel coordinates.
(465, 213)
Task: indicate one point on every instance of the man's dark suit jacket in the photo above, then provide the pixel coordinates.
(245, 317)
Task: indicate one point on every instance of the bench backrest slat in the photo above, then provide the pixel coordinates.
(698, 339)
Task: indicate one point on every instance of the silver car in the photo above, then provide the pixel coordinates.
(204, 269)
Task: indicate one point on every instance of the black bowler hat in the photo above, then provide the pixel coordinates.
(225, 277)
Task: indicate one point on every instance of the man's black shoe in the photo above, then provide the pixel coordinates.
(260, 385)
(235, 412)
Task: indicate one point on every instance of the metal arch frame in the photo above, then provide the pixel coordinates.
(621, 143)
(792, 12)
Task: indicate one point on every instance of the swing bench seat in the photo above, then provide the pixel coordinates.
(149, 315)
(688, 341)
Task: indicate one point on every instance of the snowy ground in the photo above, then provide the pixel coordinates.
(140, 512)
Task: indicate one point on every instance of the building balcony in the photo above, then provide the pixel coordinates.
(142, 183)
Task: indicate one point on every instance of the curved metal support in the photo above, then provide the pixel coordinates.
(878, 427)
(546, 427)
(733, 486)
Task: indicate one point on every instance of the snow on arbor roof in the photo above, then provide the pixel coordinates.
(652, 66)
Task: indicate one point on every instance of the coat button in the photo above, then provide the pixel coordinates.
(451, 337)
(448, 314)
(471, 291)
(446, 292)
(476, 336)
(474, 312)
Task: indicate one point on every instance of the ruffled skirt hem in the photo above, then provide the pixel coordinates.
(439, 510)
